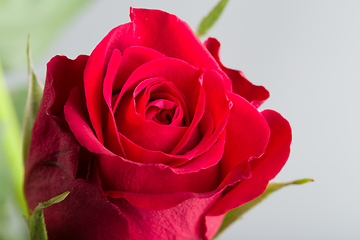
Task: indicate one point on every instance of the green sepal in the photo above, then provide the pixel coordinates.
(34, 96)
(36, 221)
(10, 154)
(211, 18)
(236, 213)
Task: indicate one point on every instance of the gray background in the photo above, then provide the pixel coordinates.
(307, 54)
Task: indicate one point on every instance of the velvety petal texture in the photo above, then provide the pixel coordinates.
(53, 161)
(155, 137)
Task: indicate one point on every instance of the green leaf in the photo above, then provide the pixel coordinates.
(11, 145)
(40, 18)
(34, 95)
(236, 213)
(36, 221)
(210, 19)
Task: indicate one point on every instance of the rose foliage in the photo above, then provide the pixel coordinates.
(155, 137)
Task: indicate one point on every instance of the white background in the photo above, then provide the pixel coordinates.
(307, 54)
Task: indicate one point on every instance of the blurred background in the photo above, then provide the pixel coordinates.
(306, 53)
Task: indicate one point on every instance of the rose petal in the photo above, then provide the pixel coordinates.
(133, 57)
(139, 154)
(256, 95)
(263, 169)
(217, 108)
(213, 223)
(211, 126)
(184, 221)
(130, 178)
(51, 111)
(180, 164)
(247, 134)
(206, 160)
(118, 38)
(63, 81)
(111, 72)
(111, 138)
(173, 37)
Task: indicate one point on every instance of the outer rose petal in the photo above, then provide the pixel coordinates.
(72, 76)
(173, 37)
(263, 169)
(84, 214)
(240, 85)
(247, 135)
(52, 164)
(45, 132)
(118, 38)
(184, 221)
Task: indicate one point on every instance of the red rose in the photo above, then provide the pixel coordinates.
(157, 139)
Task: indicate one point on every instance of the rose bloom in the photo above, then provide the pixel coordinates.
(155, 137)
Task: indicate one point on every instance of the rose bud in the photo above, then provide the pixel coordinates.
(155, 137)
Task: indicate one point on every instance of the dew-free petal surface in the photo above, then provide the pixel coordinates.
(263, 169)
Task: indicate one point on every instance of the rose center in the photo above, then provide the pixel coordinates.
(164, 116)
(158, 100)
(161, 111)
